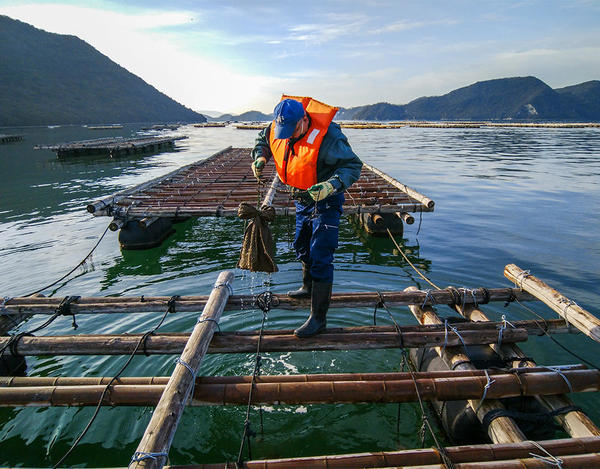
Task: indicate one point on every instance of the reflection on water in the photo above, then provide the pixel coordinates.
(528, 196)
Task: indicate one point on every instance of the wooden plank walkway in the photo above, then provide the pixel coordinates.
(111, 146)
(216, 187)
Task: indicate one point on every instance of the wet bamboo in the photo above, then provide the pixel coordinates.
(163, 424)
(143, 304)
(411, 192)
(406, 217)
(231, 342)
(29, 381)
(313, 392)
(275, 184)
(98, 207)
(501, 429)
(576, 423)
(566, 308)
(420, 457)
(579, 461)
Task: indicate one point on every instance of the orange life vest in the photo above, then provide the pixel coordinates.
(297, 166)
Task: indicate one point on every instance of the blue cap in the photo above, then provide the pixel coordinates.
(287, 114)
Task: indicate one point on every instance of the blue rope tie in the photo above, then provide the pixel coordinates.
(523, 275)
(557, 370)
(503, 328)
(452, 329)
(428, 296)
(485, 389)
(226, 285)
(139, 456)
(200, 320)
(187, 365)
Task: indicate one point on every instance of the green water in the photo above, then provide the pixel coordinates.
(524, 196)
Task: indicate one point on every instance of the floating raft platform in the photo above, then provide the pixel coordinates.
(104, 127)
(217, 185)
(485, 391)
(466, 125)
(111, 146)
(10, 138)
(211, 124)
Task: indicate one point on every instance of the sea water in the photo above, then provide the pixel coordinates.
(529, 196)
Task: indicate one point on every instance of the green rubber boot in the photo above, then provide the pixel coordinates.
(306, 288)
(319, 304)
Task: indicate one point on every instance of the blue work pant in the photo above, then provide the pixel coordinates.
(317, 235)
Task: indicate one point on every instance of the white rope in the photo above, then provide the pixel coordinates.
(503, 328)
(485, 389)
(550, 459)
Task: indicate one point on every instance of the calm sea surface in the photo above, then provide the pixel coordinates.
(524, 196)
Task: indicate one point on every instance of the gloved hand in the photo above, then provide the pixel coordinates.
(321, 191)
(258, 165)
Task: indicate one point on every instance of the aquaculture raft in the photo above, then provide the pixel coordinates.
(111, 146)
(10, 138)
(217, 185)
(483, 389)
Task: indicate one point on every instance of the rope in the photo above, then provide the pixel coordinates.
(396, 325)
(556, 370)
(545, 332)
(443, 453)
(503, 328)
(410, 263)
(74, 268)
(264, 301)
(63, 309)
(113, 379)
(139, 456)
(550, 459)
(485, 390)
(455, 330)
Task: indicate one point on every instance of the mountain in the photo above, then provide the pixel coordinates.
(587, 95)
(246, 116)
(519, 98)
(48, 78)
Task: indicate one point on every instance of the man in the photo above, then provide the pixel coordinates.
(313, 157)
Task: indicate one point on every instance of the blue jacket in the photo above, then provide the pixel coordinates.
(336, 163)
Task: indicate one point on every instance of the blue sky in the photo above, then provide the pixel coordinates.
(236, 56)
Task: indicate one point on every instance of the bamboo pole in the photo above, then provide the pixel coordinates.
(33, 381)
(576, 423)
(566, 308)
(163, 424)
(98, 208)
(420, 457)
(234, 342)
(142, 304)
(297, 393)
(404, 188)
(275, 184)
(578, 461)
(500, 430)
(406, 217)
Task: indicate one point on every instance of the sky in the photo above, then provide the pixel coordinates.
(235, 56)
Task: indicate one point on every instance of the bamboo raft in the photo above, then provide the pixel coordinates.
(466, 125)
(216, 186)
(484, 389)
(211, 124)
(4, 138)
(111, 146)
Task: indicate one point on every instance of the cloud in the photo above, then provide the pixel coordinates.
(404, 25)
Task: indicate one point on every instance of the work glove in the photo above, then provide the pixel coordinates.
(258, 165)
(321, 191)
